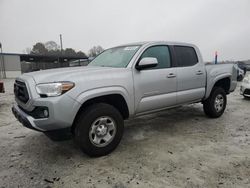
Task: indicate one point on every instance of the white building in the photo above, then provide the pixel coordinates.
(13, 65)
(10, 65)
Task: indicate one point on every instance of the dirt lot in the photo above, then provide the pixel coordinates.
(175, 148)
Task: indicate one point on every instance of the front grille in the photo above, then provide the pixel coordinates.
(247, 92)
(21, 92)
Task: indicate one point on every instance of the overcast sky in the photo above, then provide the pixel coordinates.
(212, 25)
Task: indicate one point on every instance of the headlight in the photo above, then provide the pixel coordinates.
(54, 89)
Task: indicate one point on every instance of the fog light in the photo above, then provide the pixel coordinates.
(40, 112)
(45, 113)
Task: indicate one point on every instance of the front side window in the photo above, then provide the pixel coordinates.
(186, 56)
(115, 57)
(161, 53)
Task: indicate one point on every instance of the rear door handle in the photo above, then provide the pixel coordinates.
(199, 72)
(171, 75)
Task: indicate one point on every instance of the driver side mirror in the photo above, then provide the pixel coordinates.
(147, 62)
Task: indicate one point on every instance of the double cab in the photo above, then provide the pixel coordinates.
(122, 82)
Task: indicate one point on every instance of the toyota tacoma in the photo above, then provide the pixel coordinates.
(121, 83)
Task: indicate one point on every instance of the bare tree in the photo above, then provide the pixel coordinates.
(51, 45)
(39, 48)
(94, 51)
(52, 48)
(27, 51)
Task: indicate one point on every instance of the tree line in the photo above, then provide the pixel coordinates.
(53, 49)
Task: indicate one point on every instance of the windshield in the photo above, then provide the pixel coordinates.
(115, 57)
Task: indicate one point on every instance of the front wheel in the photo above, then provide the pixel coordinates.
(99, 129)
(215, 105)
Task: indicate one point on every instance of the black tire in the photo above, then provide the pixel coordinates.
(209, 106)
(85, 123)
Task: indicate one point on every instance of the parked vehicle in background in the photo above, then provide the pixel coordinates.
(242, 66)
(240, 73)
(245, 87)
(122, 82)
(248, 67)
(1, 87)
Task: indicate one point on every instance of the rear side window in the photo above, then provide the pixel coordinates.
(161, 53)
(186, 56)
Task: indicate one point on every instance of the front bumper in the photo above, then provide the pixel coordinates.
(245, 90)
(62, 111)
(24, 118)
(28, 121)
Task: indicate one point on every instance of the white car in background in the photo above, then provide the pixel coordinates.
(245, 87)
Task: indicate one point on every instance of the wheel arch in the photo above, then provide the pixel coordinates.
(223, 81)
(115, 98)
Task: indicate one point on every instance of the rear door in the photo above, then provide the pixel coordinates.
(191, 77)
(155, 88)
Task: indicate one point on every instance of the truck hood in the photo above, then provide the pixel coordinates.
(69, 73)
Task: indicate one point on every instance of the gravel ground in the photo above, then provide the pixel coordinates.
(175, 148)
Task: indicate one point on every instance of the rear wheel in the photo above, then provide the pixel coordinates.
(99, 129)
(215, 105)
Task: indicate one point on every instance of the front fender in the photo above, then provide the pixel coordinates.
(102, 91)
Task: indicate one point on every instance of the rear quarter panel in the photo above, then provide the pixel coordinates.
(218, 72)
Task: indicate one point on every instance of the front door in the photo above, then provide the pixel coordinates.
(155, 88)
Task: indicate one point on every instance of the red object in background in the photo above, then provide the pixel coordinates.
(1, 87)
(216, 57)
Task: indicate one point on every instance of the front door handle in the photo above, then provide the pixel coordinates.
(171, 75)
(199, 72)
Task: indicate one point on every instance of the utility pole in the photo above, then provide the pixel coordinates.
(2, 66)
(61, 42)
(61, 50)
(216, 58)
(1, 61)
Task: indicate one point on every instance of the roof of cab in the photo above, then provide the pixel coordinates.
(157, 42)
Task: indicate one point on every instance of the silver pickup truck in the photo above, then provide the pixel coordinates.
(122, 82)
